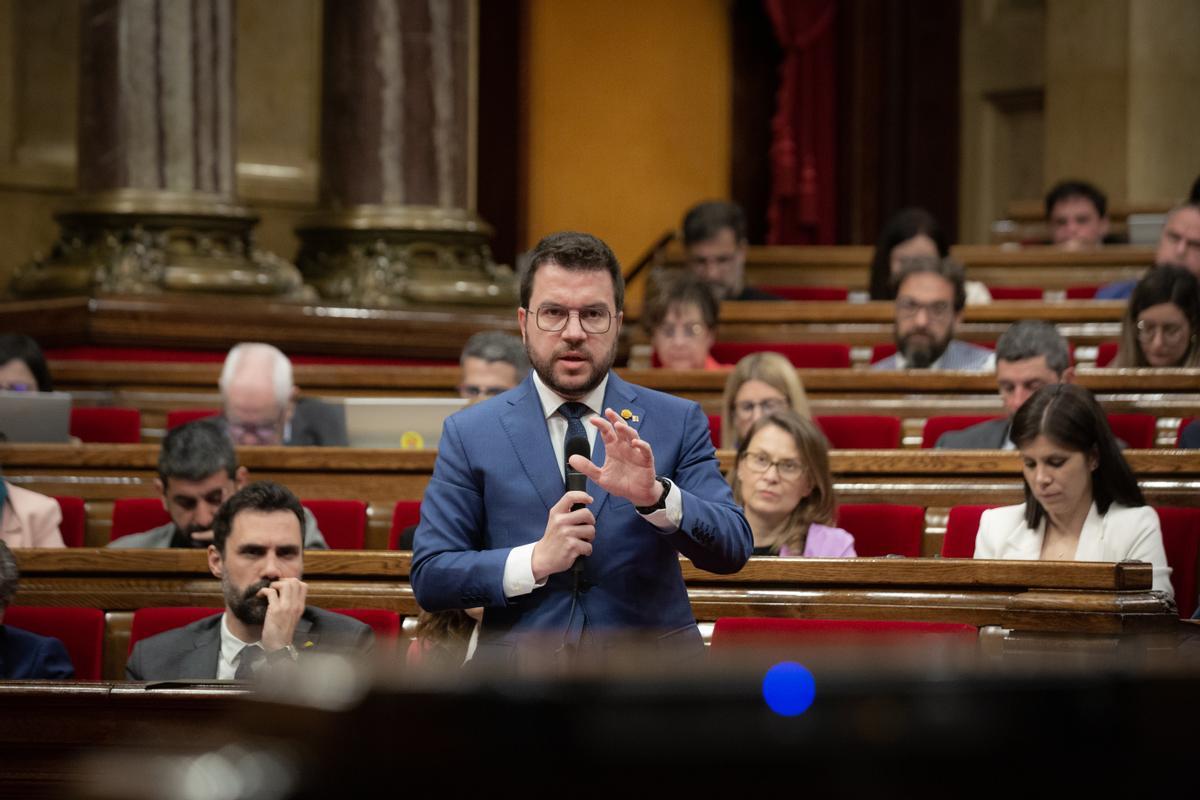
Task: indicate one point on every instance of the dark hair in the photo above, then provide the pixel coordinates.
(1030, 338)
(1069, 416)
(1065, 190)
(196, 450)
(20, 347)
(1194, 197)
(263, 496)
(9, 575)
(1162, 284)
(573, 251)
(903, 225)
(493, 346)
(947, 268)
(680, 289)
(706, 220)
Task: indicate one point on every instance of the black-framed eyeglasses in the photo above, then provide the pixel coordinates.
(593, 319)
(907, 308)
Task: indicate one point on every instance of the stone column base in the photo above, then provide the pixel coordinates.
(147, 242)
(403, 256)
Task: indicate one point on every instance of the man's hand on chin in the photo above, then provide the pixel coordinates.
(285, 605)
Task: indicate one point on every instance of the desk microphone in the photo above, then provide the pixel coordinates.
(577, 481)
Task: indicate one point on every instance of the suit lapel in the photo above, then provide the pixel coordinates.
(304, 637)
(525, 425)
(206, 656)
(620, 397)
(1091, 538)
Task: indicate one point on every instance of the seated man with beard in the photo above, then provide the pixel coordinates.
(258, 556)
(930, 295)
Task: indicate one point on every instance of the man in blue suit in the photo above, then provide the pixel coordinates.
(497, 527)
(25, 655)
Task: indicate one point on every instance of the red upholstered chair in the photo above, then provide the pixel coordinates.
(406, 512)
(1081, 292)
(149, 622)
(1183, 423)
(714, 429)
(732, 632)
(961, 529)
(107, 425)
(936, 426)
(1016, 292)
(881, 351)
(1105, 353)
(809, 355)
(837, 294)
(181, 416)
(880, 529)
(74, 520)
(860, 431)
(343, 522)
(81, 630)
(386, 624)
(1181, 540)
(137, 514)
(1138, 430)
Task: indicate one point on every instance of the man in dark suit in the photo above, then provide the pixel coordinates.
(714, 238)
(497, 528)
(1029, 355)
(25, 655)
(262, 405)
(258, 555)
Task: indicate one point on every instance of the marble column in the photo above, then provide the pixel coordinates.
(396, 225)
(156, 209)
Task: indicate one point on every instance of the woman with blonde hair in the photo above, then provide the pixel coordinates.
(760, 384)
(782, 481)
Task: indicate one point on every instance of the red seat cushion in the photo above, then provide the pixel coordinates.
(837, 294)
(961, 529)
(775, 631)
(182, 416)
(137, 514)
(81, 630)
(1138, 430)
(714, 429)
(1081, 292)
(1016, 292)
(806, 355)
(149, 622)
(1181, 540)
(74, 520)
(860, 431)
(386, 624)
(1105, 353)
(881, 351)
(343, 522)
(405, 513)
(936, 426)
(880, 529)
(106, 425)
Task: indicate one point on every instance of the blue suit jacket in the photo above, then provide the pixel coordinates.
(494, 482)
(25, 656)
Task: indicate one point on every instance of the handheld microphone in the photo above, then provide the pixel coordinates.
(577, 481)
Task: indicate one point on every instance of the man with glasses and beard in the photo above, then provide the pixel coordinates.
(257, 555)
(930, 295)
(568, 568)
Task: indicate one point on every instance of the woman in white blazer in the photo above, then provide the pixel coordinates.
(1082, 502)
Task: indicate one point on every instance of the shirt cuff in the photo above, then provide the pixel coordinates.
(668, 519)
(518, 571)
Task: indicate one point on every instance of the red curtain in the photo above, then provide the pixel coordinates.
(803, 141)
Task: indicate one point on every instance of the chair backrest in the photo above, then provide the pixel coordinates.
(137, 514)
(1183, 423)
(343, 522)
(936, 426)
(714, 429)
(181, 416)
(1138, 430)
(806, 355)
(1105, 353)
(74, 520)
(837, 294)
(386, 624)
(106, 425)
(149, 622)
(1181, 540)
(1016, 292)
(860, 431)
(1081, 292)
(882, 350)
(961, 530)
(81, 630)
(405, 513)
(881, 529)
(780, 631)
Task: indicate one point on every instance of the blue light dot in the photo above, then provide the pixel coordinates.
(789, 688)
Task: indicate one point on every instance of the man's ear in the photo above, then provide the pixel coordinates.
(241, 477)
(1068, 375)
(521, 322)
(216, 565)
(162, 490)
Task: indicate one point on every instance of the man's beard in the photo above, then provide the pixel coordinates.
(545, 370)
(246, 605)
(922, 352)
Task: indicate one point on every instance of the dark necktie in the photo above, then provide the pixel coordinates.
(574, 412)
(251, 655)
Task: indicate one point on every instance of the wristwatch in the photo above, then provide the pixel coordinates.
(662, 499)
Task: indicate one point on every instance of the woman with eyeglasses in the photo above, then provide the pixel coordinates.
(22, 365)
(782, 481)
(681, 320)
(1082, 501)
(760, 384)
(1162, 321)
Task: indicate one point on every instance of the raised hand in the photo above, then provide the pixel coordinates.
(568, 535)
(285, 606)
(628, 469)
